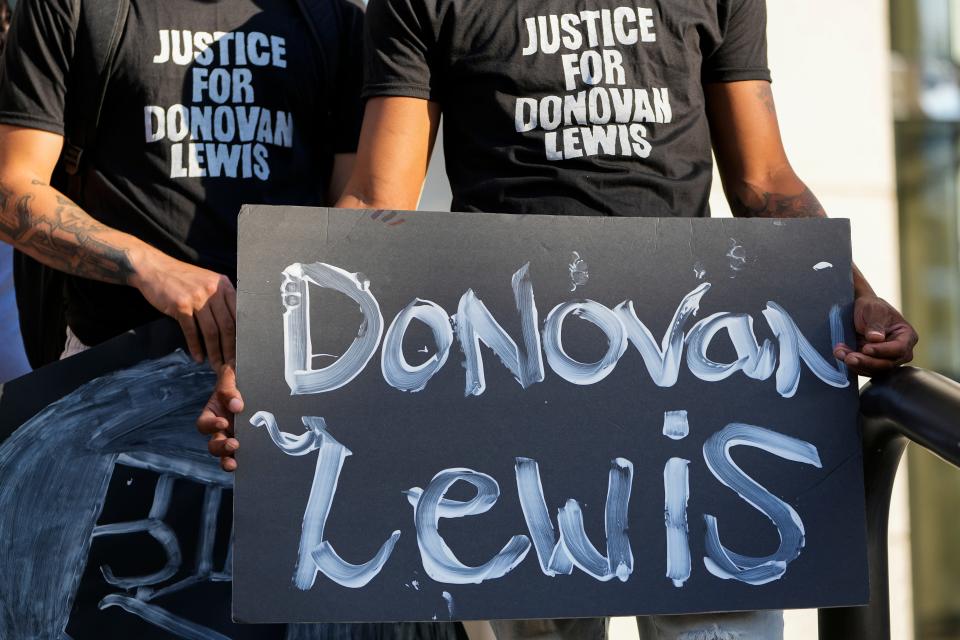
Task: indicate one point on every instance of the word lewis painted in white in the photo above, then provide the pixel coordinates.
(559, 548)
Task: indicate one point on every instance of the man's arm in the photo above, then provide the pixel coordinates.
(394, 152)
(343, 164)
(391, 164)
(760, 183)
(39, 221)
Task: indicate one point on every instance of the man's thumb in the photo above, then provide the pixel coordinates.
(235, 405)
(876, 332)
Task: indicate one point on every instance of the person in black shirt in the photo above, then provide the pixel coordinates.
(210, 105)
(557, 107)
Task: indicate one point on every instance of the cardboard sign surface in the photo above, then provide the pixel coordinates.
(479, 416)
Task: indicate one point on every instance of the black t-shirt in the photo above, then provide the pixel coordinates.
(212, 104)
(578, 107)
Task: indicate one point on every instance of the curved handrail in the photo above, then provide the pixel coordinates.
(920, 405)
(909, 404)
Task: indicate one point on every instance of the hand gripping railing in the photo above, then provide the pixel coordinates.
(908, 404)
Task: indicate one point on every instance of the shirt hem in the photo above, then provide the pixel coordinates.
(398, 90)
(30, 122)
(737, 75)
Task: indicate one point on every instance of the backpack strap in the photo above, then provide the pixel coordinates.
(324, 21)
(99, 30)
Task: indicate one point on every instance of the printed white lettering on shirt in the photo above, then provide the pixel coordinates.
(604, 117)
(222, 134)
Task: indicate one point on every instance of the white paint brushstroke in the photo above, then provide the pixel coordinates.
(316, 554)
(159, 530)
(676, 490)
(663, 361)
(299, 373)
(616, 511)
(429, 505)
(397, 372)
(161, 618)
(737, 256)
(579, 273)
(475, 323)
(449, 598)
(550, 554)
(755, 361)
(726, 564)
(820, 266)
(581, 373)
(137, 415)
(794, 347)
(676, 425)
(290, 444)
(573, 547)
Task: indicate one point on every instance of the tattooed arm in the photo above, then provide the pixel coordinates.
(760, 183)
(39, 221)
(65, 238)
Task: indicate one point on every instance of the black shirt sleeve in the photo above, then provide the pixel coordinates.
(742, 51)
(401, 41)
(36, 64)
(348, 105)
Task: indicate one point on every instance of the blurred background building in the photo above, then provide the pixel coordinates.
(868, 93)
(925, 46)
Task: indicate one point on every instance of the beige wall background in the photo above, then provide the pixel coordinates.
(831, 67)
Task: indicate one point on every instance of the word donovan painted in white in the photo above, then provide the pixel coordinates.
(564, 546)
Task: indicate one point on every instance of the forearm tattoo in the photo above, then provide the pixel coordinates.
(778, 205)
(67, 238)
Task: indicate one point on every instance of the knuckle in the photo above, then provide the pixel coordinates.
(183, 305)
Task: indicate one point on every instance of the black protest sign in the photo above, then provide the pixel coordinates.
(476, 416)
(115, 519)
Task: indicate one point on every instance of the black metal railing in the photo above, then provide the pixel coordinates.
(908, 405)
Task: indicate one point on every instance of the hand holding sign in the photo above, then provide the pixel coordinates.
(217, 418)
(884, 338)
